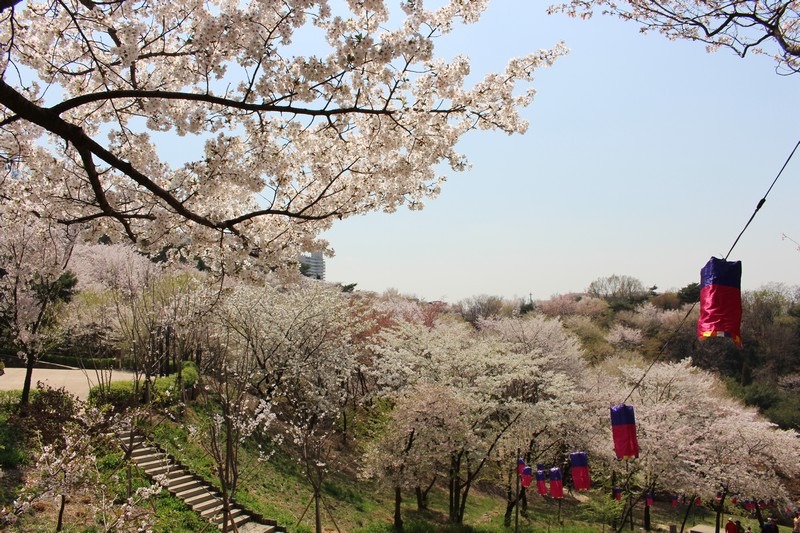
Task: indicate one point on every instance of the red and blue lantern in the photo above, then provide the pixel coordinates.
(617, 493)
(580, 470)
(527, 474)
(623, 429)
(734, 500)
(520, 465)
(674, 500)
(541, 487)
(649, 499)
(556, 483)
(721, 300)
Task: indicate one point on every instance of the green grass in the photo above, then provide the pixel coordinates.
(279, 490)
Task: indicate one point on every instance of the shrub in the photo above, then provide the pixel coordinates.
(122, 394)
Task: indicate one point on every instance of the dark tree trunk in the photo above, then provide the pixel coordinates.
(26, 386)
(688, 510)
(60, 524)
(398, 519)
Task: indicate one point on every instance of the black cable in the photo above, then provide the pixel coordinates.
(663, 349)
(764, 199)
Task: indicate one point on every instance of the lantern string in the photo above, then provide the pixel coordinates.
(764, 199)
(663, 349)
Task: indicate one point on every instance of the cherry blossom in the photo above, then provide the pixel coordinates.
(305, 116)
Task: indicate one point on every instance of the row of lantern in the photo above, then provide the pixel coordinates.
(579, 462)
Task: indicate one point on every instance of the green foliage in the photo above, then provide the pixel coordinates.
(761, 395)
(690, 293)
(47, 414)
(122, 394)
(60, 290)
(174, 516)
(780, 406)
(9, 398)
(13, 452)
(92, 363)
(602, 510)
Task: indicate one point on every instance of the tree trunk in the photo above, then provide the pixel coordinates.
(647, 518)
(398, 519)
(60, 524)
(26, 386)
(523, 496)
(422, 495)
(317, 515)
(688, 510)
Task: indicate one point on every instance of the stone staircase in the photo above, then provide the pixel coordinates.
(195, 492)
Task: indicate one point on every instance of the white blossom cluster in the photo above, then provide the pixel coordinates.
(294, 135)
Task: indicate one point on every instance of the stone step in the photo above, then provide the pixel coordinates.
(236, 515)
(190, 491)
(186, 486)
(174, 484)
(255, 527)
(211, 512)
(202, 501)
(144, 451)
(158, 470)
(146, 461)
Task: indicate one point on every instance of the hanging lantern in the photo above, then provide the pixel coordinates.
(623, 428)
(527, 474)
(580, 470)
(771, 502)
(556, 483)
(520, 465)
(698, 501)
(674, 500)
(762, 504)
(720, 300)
(734, 500)
(718, 497)
(541, 487)
(649, 499)
(617, 493)
(750, 505)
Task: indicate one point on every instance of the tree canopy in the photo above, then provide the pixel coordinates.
(744, 26)
(291, 141)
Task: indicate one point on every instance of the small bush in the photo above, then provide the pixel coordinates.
(164, 391)
(49, 411)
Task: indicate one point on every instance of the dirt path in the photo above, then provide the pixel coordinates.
(77, 382)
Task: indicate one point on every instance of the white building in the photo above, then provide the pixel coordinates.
(313, 265)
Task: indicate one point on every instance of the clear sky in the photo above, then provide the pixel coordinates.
(644, 157)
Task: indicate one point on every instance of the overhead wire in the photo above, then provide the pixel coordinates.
(760, 204)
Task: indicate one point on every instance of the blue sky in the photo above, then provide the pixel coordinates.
(644, 157)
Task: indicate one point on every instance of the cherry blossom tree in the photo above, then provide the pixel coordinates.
(305, 116)
(742, 26)
(426, 425)
(69, 467)
(235, 416)
(505, 371)
(546, 370)
(155, 315)
(301, 342)
(693, 438)
(34, 284)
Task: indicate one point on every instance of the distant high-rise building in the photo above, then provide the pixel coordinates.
(313, 265)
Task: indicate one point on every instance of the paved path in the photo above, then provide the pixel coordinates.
(78, 382)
